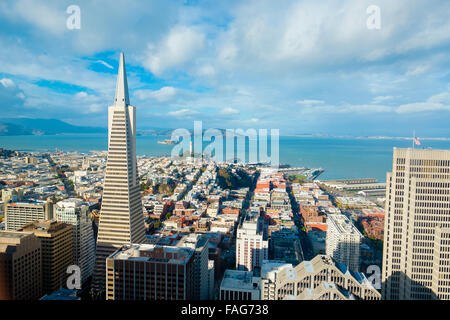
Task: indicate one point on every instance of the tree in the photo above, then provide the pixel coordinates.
(71, 184)
(297, 179)
(166, 189)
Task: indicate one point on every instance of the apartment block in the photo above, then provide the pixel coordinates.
(343, 241)
(18, 214)
(252, 246)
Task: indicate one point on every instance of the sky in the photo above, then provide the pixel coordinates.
(298, 66)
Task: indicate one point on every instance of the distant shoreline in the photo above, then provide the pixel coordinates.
(365, 137)
(281, 135)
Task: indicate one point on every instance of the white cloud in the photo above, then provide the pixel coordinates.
(379, 99)
(181, 45)
(443, 97)
(309, 102)
(85, 97)
(161, 95)
(418, 70)
(96, 108)
(228, 52)
(421, 107)
(105, 64)
(20, 60)
(81, 95)
(7, 82)
(252, 120)
(229, 111)
(46, 17)
(437, 102)
(345, 108)
(206, 71)
(183, 113)
(277, 52)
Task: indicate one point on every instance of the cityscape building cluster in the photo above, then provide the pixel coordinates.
(189, 228)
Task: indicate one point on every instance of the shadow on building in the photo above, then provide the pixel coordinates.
(400, 287)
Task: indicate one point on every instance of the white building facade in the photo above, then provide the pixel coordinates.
(76, 213)
(343, 241)
(252, 247)
(416, 251)
(121, 216)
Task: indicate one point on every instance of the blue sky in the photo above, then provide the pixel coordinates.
(300, 66)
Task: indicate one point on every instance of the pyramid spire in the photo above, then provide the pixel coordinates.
(122, 97)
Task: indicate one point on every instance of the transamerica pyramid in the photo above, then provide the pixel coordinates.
(121, 215)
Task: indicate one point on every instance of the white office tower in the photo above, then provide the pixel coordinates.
(343, 241)
(76, 212)
(416, 252)
(251, 243)
(121, 216)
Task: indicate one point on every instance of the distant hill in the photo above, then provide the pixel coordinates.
(154, 132)
(27, 126)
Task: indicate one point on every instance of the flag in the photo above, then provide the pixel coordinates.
(417, 142)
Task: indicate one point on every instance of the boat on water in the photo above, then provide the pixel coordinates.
(167, 141)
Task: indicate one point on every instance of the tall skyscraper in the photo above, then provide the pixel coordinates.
(20, 266)
(343, 241)
(121, 215)
(416, 253)
(252, 247)
(76, 213)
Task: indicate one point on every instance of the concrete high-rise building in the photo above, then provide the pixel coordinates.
(416, 253)
(121, 215)
(18, 214)
(252, 246)
(343, 241)
(150, 272)
(20, 266)
(199, 243)
(76, 213)
(57, 251)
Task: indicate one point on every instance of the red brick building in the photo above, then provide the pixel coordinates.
(312, 214)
